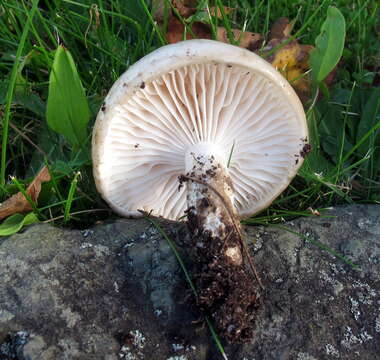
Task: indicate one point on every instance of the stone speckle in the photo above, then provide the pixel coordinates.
(64, 295)
(330, 350)
(305, 356)
(377, 324)
(138, 339)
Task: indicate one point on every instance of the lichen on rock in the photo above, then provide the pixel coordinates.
(62, 296)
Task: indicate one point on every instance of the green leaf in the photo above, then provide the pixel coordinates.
(30, 218)
(30, 101)
(201, 16)
(15, 222)
(370, 117)
(328, 45)
(67, 108)
(369, 124)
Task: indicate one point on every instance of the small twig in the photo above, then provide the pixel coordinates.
(77, 213)
(18, 131)
(253, 268)
(228, 208)
(88, 197)
(226, 239)
(230, 156)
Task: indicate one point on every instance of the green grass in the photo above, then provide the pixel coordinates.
(105, 37)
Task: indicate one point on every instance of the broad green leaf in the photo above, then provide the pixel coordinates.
(315, 163)
(24, 97)
(30, 218)
(369, 118)
(30, 101)
(67, 108)
(328, 45)
(69, 167)
(332, 145)
(15, 222)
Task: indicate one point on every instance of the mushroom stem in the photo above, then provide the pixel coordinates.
(227, 291)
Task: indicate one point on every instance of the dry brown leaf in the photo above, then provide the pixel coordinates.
(158, 10)
(281, 29)
(176, 31)
(199, 30)
(292, 59)
(183, 9)
(18, 203)
(246, 39)
(218, 12)
(190, 3)
(303, 57)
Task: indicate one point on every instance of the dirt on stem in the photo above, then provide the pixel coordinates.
(228, 291)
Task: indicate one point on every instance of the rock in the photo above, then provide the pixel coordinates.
(116, 292)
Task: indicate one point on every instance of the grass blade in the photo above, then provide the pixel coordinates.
(70, 197)
(369, 133)
(190, 282)
(10, 92)
(22, 190)
(297, 34)
(318, 244)
(175, 251)
(154, 23)
(230, 156)
(216, 339)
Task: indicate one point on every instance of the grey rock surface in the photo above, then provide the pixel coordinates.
(116, 292)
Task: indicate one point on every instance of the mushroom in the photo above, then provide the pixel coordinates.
(211, 131)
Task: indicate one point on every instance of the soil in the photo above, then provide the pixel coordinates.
(227, 290)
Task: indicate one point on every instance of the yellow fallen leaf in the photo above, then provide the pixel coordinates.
(298, 79)
(286, 56)
(292, 59)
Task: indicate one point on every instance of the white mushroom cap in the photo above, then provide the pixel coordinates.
(197, 96)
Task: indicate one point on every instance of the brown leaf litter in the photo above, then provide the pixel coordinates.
(290, 59)
(18, 203)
